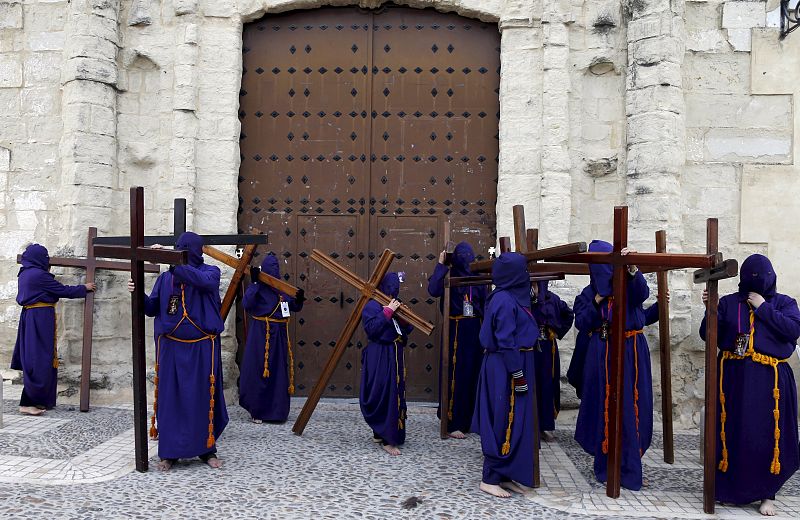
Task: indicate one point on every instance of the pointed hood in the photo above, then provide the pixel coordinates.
(463, 255)
(510, 273)
(601, 275)
(271, 266)
(390, 285)
(193, 243)
(35, 257)
(757, 275)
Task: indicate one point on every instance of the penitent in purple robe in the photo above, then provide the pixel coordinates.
(190, 404)
(591, 430)
(465, 349)
(582, 337)
(265, 388)
(752, 464)
(554, 318)
(383, 375)
(35, 352)
(504, 418)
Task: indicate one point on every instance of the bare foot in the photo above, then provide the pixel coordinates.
(512, 486)
(767, 507)
(548, 436)
(257, 421)
(391, 450)
(164, 465)
(645, 483)
(494, 490)
(214, 462)
(457, 435)
(30, 410)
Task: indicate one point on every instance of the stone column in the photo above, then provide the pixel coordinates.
(88, 148)
(655, 117)
(520, 168)
(556, 185)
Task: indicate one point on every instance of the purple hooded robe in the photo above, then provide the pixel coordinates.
(383, 374)
(35, 352)
(466, 356)
(190, 404)
(509, 333)
(554, 318)
(752, 464)
(265, 389)
(591, 430)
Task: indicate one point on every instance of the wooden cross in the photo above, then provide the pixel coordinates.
(90, 263)
(250, 242)
(368, 291)
(711, 276)
(138, 255)
(620, 263)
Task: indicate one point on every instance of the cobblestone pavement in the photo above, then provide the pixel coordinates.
(69, 465)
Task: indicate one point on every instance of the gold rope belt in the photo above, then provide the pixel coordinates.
(761, 359)
(267, 321)
(628, 334)
(212, 379)
(43, 305)
(507, 444)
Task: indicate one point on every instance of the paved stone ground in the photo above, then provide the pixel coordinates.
(79, 466)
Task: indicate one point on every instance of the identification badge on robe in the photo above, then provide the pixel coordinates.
(742, 344)
(469, 311)
(604, 331)
(397, 327)
(172, 305)
(543, 332)
(285, 310)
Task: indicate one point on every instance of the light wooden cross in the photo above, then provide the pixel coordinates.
(368, 291)
(138, 255)
(90, 264)
(620, 263)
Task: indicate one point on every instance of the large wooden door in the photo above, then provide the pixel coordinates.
(363, 130)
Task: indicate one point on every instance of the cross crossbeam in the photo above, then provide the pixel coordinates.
(368, 291)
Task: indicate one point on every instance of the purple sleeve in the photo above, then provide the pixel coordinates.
(638, 291)
(651, 314)
(55, 288)
(436, 281)
(250, 298)
(587, 314)
(152, 303)
(565, 318)
(206, 279)
(504, 325)
(373, 319)
(784, 322)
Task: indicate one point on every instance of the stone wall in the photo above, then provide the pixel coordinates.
(681, 109)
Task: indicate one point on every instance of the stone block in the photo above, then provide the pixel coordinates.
(663, 74)
(46, 41)
(89, 174)
(653, 51)
(753, 146)
(654, 98)
(40, 101)
(9, 102)
(738, 111)
(771, 59)
(218, 8)
(91, 69)
(727, 72)
(10, 15)
(84, 147)
(706, 40)
(740, 39)
(744, 15)
(5, 160)
(183, 7)
(665, 127)
(42, 67)
(10, 70)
